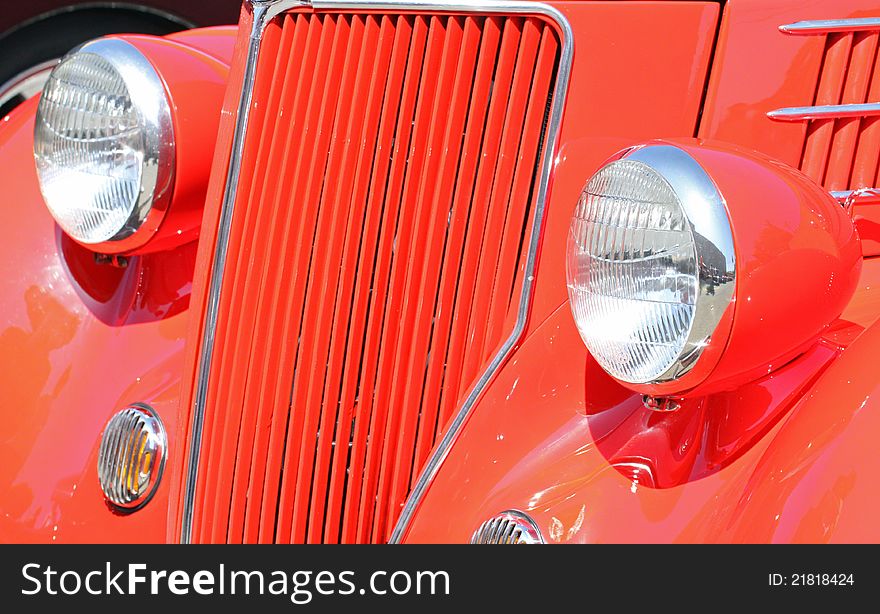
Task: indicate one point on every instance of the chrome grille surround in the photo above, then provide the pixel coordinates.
(263, 11)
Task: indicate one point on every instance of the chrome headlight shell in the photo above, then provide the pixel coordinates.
(651, 264)
(104, 145)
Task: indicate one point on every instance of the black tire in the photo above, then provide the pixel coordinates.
(50, 38)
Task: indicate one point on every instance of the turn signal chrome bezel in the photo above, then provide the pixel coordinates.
(133, 440)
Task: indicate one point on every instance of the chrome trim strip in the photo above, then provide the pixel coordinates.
(263, 12)
(827, 26)
(258, 22)
(830, 111)
(274, 8)
(513, 7)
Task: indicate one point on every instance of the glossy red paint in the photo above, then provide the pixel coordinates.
(595, 18)
(867, 221)
(787, 456)
(816, 482)
(799, 71)
(582, 455)
(706, 433)
(788, 233)
(207, 240)
(557, 438)
(781, 222)
(218, 41)
(739, 96)
(620, 95)
(73, 334)
(839, 154)
(195, 83)
(81, 340)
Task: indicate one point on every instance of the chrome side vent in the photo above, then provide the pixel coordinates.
(510, 527)
(842, 137)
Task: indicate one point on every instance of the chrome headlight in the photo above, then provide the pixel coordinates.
(651, 264)
(103, 143)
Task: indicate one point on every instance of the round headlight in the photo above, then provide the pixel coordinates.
(103, 144)
(650, 264)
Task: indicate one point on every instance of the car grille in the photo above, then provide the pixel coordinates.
(388, 181)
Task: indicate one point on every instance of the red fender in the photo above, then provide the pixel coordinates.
(788, 458)
(79, 341)
(817, 481)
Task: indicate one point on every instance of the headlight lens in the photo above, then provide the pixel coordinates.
(103, 142)
(646, 287)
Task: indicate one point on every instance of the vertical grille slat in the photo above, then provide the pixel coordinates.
(521, 184)
(221, 421)
(419, 261)
(829, 91)
(305, 408)
(271, 147)
(284, 245)
(460, 346)
(372, 266)
(331, 326)
(387, 181)
(445, 324)
(255, 292)
(868, 148)
(412, 394)
(408, 251)
(360, 155)
(234, 364)
(500, 195)
(843, 144)
(296, 249)
(377, 332)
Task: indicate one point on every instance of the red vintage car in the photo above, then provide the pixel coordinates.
(489, 271)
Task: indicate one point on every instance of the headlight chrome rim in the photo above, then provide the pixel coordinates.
(706, 213)
(151, 102)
